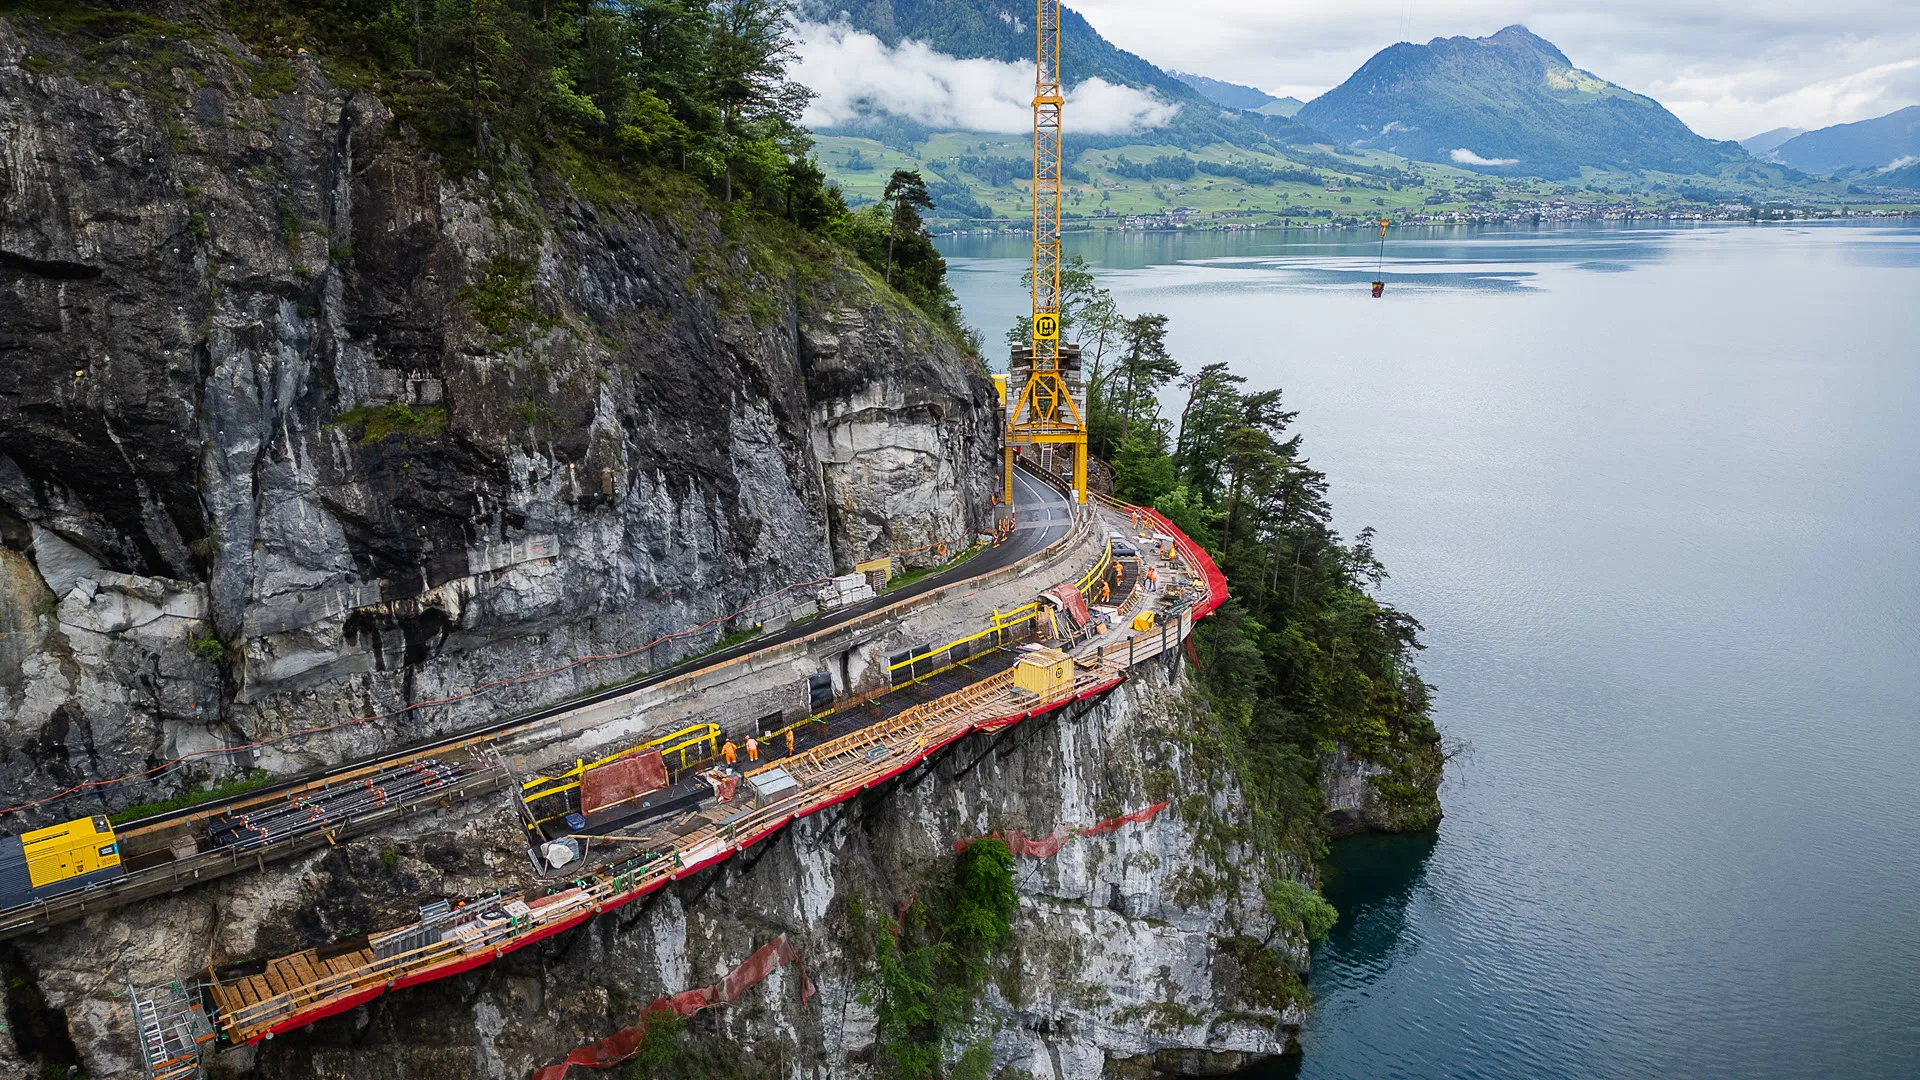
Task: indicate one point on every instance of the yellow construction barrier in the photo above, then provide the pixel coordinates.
(682, 742)
(1001, 622)
(1100, 568)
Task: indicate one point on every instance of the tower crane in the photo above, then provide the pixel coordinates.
(1047, 410)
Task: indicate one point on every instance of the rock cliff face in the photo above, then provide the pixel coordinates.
(1400, 792)
(296, 429)
(1139, 951)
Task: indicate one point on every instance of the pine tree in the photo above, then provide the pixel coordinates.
(905, 195)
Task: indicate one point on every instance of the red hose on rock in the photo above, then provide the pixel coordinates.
(1050, 846)
(621, 1045)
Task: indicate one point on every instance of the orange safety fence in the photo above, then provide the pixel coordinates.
(1197, 559)
(621, 1045)
(1050, 846)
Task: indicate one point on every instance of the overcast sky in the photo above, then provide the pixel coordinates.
(1729, 68)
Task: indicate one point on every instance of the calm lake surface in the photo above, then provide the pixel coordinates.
(1655, 493)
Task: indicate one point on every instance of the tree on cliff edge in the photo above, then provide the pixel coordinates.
(907, 194)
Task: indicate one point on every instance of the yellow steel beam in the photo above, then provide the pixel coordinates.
(1047, 100)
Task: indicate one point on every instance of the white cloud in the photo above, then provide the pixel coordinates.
(854, 73)
(1465, 156)
(1728, 70)
(1755, 100)
(1901, 163)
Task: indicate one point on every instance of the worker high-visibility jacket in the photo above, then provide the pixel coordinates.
(730, 753)
(753, 750)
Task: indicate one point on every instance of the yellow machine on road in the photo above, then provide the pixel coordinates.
(58, 859)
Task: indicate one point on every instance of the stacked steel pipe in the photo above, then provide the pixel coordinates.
(314, 811)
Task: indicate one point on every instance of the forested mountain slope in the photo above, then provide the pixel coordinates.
(1511, 103)
(999, 30)
(1869, 144)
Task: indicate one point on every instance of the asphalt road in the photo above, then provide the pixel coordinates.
(1041, 514)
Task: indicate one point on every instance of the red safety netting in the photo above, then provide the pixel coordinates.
(1050, 846)
(1196, 557)
(628, 778)
(620, 1045)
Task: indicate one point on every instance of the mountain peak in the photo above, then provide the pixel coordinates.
(1518, 36)
(1225, 94)
(1511, 101)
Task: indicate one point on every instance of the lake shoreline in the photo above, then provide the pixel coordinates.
(1451, 219)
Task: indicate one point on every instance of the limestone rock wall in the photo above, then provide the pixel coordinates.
(329, 433)
(1398, 794)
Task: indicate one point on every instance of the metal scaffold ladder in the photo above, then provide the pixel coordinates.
(173, 1029)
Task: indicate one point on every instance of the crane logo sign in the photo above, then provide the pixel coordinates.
(1046, 326)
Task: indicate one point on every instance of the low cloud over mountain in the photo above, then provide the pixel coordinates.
(856, 75)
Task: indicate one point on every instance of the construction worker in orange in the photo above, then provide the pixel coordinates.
(753, 749)
(730, 753)
(789, 740)
(1153, 579)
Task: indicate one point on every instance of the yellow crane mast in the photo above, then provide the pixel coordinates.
(1045, 412)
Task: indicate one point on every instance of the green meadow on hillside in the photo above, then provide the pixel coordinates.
(973, 175)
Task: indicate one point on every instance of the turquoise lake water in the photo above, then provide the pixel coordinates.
(1655, 494)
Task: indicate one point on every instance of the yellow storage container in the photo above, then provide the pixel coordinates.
(1143, 621)
(1043, 672)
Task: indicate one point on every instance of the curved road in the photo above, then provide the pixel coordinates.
(1042, 515)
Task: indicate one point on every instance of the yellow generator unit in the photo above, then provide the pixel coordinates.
(1043, 673)
(1143, 621)
(59, 859)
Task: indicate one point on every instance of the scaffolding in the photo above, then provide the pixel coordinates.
(173, 1028)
